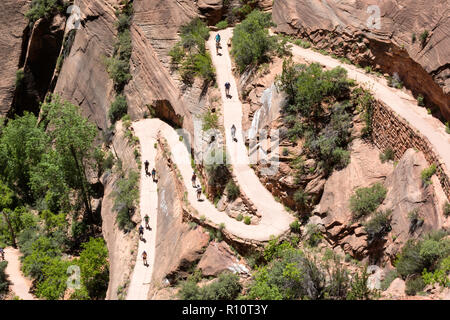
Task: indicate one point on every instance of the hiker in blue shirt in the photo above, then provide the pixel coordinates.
(217, 43)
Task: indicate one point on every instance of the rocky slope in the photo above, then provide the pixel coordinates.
(393, 46)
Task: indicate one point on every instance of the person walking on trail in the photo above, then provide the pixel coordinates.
(233, 132)
(146, 219)
(154, 174)
(194, 179)
(2, 254)
(146, 163)
(144, 258)
(199, 192)
(227, 89)
(218, 38)
(141, 232)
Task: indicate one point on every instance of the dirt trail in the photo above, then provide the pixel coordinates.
(400, 102)
(142, 275)
(19, 284)
(272, 212)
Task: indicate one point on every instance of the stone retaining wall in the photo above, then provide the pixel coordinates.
(392, 131)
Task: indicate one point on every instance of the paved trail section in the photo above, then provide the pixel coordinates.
(272, 212)
(19, 284)
(147, 129)
(142, 275)
(400, 102)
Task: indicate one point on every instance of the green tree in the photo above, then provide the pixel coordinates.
(93, 263)
(72, 136)
(251, 40)
(6, 196)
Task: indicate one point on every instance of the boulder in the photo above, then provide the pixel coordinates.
(217, 258)
(396, 288)
(211, 9)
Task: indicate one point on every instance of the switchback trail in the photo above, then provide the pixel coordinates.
(19, 284)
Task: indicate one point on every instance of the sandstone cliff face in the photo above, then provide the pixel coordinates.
(341, 26)
(83, 79)
(12, 30)
(122, 247)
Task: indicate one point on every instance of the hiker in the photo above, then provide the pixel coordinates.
(2, 254)
(199, 192)
(147, 218)
(194, 178)
(154, 174)
(144, 258)
(141, 232)
(217, 47)
(146, 163)
(218, 39)
(227, 89)
(233, 132)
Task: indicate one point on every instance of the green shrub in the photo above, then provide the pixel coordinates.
(421, 100)
(313, 235)
(247, 220)
(427, 173)
(226, 287)
(378, 226)
(446, 209)
(44, 9)
(424, 37)
(239, 217)
(119, 71)
(301, 197)
(367, 200)
(295, 226)
(447, 127)
(118, 109)
(414, 285)
(359, 289)
(4, 283)
(413, 38)
(388, 278)
(210, 121)
(20, 75)
(387, 155)
(232, 191)
(251, 40)
(440, 275)
(126, 197)
(177, 54)
(222, 25)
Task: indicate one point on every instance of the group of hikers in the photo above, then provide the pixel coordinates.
(153, 173)
(227, 86)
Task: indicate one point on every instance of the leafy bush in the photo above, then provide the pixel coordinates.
(295, 226)
(313, 235)
(4, 283)
(421, 100)
(119, 71)
(20, 75)
(378, 226)
(446, 209)
(44, 9)
(301, 197)
(222, 25)
(239, 217)
(367, 200)
(226, 287)
(177, 54)
(414, 285)
(387, 155)
(232, 190)
(118, 108)
(126, 196)
(427, 174)
(251, 40)
(440, 275)
(424, 37)
(247, 220)
(388, 278)
(359, 289)
(425, 253)
(210, 121)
